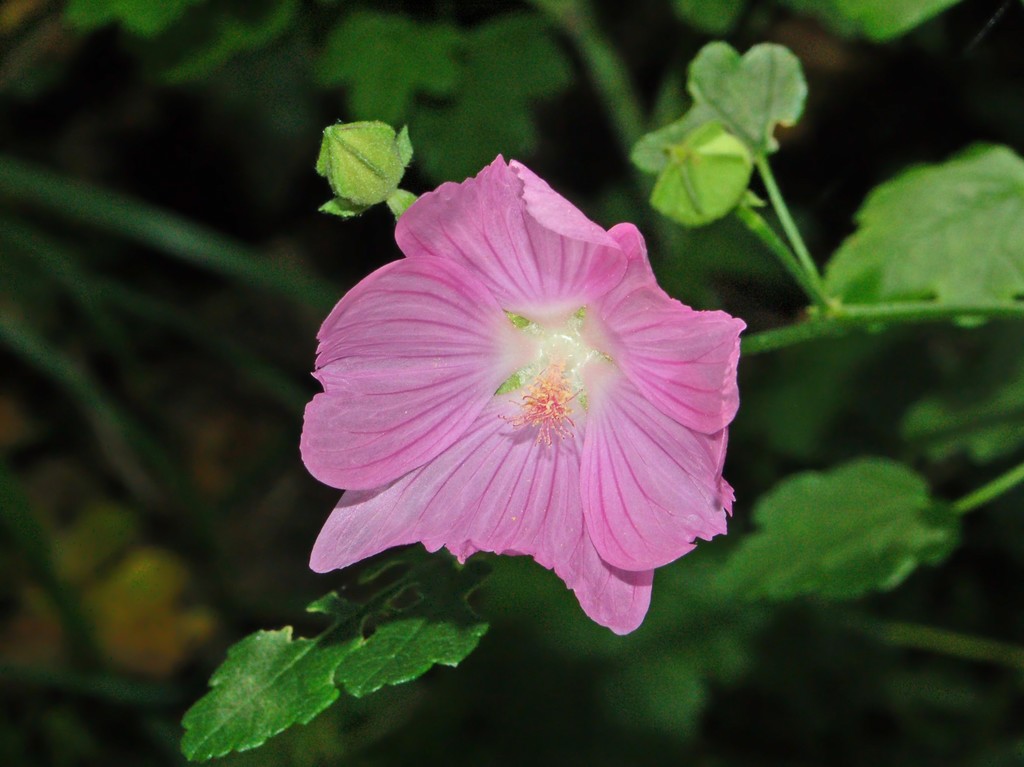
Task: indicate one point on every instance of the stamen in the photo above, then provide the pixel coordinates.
(547, 405)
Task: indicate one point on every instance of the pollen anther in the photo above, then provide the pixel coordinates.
(547, 405)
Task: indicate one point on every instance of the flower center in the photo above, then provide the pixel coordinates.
(552, 382)
(547, 405)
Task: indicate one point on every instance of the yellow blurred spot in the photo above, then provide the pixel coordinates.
(139, 619)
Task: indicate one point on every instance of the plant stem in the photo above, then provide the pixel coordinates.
(608, 73)
(990, 491)
(841, 318)
(759, 227)
(950, 643)
(789, 335)
(788, 226)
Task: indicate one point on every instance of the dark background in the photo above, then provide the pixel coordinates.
(163, 271)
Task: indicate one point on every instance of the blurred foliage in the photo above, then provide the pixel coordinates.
(980, 409)
(865, 525)
(162, 260)
(385, 60)
(143, 18)
(877, 19)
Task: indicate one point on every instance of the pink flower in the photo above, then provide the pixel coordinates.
(518, 383)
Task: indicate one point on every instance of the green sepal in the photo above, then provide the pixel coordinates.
(512, 383)
(518, 320)
(342, 208)
(399, 201)
(404, 144)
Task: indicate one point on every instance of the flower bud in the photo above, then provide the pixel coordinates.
(706, 176)
(363, 162)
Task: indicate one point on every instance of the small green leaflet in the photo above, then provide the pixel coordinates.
(271, 680)
(877, 19)
(863, 526)
(752, 94)
(952, 232)
(749, 96)
(385, 59)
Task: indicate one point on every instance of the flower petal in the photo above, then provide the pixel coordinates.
(635, 250)
(650, 485)
(684, 361)
(498, 489)
(408, 359)
(537, 253)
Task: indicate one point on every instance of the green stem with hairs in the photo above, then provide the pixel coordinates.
(841, 318)
(760, 229)
(608, 73)
(803, 255)
(990, 491)
(951, 643)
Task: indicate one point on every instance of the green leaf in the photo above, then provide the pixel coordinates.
(705, 178)
(863, 526)
(508, 64)
(271, 681)
(143, 17)
(952, 232)
(876, 19)
(713, 16)
(384, 60)
(748, 95)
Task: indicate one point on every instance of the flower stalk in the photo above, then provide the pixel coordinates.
(808, 281)
(842, 318)
(803, 255)
(988, 492)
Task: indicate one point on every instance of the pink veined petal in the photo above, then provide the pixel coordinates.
(408, 359)
(684, 361)
(650, 485)
(537, 253)
(635, 250)
(497, 489)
